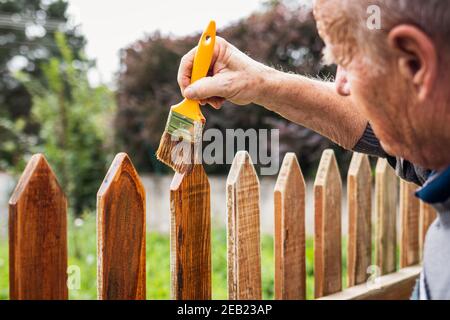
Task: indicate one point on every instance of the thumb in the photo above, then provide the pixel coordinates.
(205, 88)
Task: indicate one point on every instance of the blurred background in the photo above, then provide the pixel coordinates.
(82, 80)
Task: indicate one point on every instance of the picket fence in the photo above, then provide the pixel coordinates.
(38, 233)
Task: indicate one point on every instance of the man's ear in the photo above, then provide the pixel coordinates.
(417, 57)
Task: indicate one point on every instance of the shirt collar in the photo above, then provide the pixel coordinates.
(437, 188)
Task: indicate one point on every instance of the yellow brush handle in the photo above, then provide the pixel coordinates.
(202, 62)
(204, 53)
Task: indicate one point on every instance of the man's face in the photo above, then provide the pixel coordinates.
(382, 99)
(381, 96)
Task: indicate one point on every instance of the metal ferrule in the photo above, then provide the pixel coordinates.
(181, 127)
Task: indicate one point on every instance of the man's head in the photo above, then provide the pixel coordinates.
(399, 74)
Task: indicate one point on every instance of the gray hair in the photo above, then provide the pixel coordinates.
(431, 16)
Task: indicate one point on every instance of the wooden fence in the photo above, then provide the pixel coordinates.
(38, 233)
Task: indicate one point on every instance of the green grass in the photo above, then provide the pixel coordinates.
(82, 253)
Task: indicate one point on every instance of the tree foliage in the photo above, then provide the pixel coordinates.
(27, 39)
(281, 36)
(75, 126)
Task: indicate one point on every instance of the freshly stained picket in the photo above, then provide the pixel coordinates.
(327, 239)
(121, 233)
(190, 234)
(244, 256)
(386, 195)
(38, 235)
(427, 216)
(289, 198)
(409, 232)
(359, 193)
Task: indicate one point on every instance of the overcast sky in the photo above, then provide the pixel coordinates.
(112, 25)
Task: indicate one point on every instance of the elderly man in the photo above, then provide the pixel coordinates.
(390, 99)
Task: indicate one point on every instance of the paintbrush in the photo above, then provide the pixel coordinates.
(183, 133)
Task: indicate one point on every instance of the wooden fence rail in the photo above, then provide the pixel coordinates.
(38, 233)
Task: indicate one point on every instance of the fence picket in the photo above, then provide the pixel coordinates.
(409, 231)
(327, 239)
(386, 195)
(289, 198)
(427, 216)
(244, 256)
(190, 243)
(359, 194)
(38, 235)
(121, 233)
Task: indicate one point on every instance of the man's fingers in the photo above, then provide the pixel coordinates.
(216, 102)
(185, 69)
(206, 88)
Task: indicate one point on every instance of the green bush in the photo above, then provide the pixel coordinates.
(74, 126)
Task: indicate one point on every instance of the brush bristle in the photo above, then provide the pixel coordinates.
(170, 152)
(178, 152)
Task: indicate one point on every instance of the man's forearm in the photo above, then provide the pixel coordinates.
(313, 104)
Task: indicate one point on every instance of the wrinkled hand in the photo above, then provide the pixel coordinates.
(233, 76)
